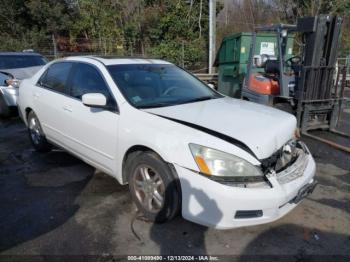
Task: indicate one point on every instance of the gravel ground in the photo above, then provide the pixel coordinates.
(54, 204)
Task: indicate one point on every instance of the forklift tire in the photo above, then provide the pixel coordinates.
(286, 107)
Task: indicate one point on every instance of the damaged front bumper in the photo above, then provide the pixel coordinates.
(209, 203)
(10, 95)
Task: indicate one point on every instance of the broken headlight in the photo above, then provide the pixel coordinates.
(221, 166)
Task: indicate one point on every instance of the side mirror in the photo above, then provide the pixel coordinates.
(94, 100)
(211, 85)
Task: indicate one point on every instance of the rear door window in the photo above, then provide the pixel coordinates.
(56, 77)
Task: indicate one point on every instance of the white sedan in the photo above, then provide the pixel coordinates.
(15, 66)
(179, 145)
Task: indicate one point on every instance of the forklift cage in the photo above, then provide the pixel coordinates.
(281, 54)
(319, 85)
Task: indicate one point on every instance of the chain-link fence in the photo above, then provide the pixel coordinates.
(185, 54)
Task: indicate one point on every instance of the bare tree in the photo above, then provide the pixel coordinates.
(200, 18)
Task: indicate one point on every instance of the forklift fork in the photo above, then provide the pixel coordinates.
(329, 125)
(329, 142)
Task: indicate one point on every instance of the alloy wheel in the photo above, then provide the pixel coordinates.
(149, 188)
(34, 129)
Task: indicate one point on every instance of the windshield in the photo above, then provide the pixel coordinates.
(156, 85)
(21, 61)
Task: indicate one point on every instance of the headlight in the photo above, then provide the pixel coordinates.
(221, 165)
(12, 83)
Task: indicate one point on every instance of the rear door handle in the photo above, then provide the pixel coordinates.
(67, 108)
(36, 95)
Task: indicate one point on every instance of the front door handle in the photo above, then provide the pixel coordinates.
(36, 95)
(67, 108)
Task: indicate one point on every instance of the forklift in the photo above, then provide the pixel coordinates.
(309, 85)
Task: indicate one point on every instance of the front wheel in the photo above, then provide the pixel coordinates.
(36, 134)
(153, 186)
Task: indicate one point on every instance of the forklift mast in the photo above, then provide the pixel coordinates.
(320, 88)
(317, 90)
(320, 38)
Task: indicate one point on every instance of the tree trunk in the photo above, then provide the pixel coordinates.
(200, 18)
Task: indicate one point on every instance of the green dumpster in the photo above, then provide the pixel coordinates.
(233, 54)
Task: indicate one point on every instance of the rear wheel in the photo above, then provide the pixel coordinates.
(153, 186)
(36, 134)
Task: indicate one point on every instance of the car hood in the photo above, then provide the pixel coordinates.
(22, 73)
(263, 129)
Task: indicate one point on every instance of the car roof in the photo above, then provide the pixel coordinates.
(118, 60)
(19, 53)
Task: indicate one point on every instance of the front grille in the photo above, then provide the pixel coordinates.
(283, 157)
(295, 170)
(289, 162)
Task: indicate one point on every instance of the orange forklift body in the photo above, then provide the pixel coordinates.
(263, 85)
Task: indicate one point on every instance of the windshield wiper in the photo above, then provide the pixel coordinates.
(154, 105)
(198, 99)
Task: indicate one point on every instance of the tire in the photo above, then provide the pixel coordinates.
(153, 186)
(36, 134)
(4, 109)
(14, 111)
(286, 107)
